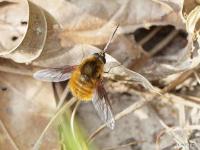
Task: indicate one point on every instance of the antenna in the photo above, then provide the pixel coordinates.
(110, 39)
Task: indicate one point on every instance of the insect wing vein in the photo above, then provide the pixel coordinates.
(54, 74)
(103, 107)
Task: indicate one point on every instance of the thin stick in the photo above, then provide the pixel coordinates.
(181, 114)
(164, 42)
(164, 131)
(149, 36)
(161, 133)
(5, 3)
(110, 39)
(197, 77)
(140, 104)
(118, 116)
(67, 105)
(95, 133)
(191, 98)
(180, 79)
(9, 136)
(62, 99)
(179, 139)
(158, 47)
(72, 120)
(124, 145)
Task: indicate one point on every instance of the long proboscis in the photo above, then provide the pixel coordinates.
(110, 39)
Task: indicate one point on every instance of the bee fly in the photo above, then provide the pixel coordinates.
(85, 82)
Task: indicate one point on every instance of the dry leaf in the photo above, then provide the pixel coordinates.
(41, 29)
(12, 27)
(33, 42)
(26, 106)
(9, 66)
(127, 14)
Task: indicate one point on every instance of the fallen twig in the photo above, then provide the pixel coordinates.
(9, 136)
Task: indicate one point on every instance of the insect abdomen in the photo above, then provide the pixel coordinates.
(80, 90)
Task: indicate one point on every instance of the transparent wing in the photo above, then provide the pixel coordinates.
(115, 68)
(54, 74)
(102, 105)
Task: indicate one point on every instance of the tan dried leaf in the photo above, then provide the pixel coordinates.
(35, 37)
(9, 66)
(26, 107)
(11, 28)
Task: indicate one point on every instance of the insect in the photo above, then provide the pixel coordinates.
(85, 82)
